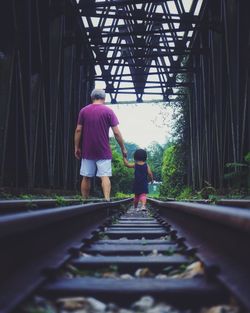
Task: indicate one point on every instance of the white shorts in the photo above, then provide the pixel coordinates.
(89, 167)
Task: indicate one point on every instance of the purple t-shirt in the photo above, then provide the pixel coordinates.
(96, 119)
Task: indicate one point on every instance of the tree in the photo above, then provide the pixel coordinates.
(130, 146)
(155, 156)
(172, 171)
(122, 177)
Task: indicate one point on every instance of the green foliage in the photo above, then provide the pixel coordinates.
(121, 195)
(30, 204)
(172, 172)
(155, 155)
(122, 177)
(247, 158)
(26, 197)
(175, 159)
(5, 195)
(169, 252)
(130, 146)
(239, 176)
(208, 192)
(42, 308)
(78, 197)
(186, 194)
(60, 201)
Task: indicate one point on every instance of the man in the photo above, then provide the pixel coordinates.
(94, 122)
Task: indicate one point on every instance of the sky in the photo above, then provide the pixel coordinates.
(144, 123)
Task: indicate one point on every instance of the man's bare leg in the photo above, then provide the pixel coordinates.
(106, 187)
(85, 187)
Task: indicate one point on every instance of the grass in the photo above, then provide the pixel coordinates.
(60, 201)
(169, 252)
(35, 308)
(26, 197)
(103, 236)
(171, 270)
(5, 195)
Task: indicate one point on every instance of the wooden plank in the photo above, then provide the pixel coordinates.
(127, 217)
(135, 235)
(131, 262)
(135, 224)
(139, 228)
(181, 292)
(112, 234)
(109, 249)
(135, 241)
(137, 219)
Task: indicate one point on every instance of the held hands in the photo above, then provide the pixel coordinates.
(78, 153)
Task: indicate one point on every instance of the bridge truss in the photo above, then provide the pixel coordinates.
(52, 51)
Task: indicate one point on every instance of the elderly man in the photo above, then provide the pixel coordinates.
(94, 122)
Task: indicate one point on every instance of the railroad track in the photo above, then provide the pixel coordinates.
(22, 205)
(237, 203)
(32, 242)
(136, 260)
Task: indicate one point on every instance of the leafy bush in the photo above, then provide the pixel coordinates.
(239, 176)
(172, 172)
(121, 195)
(186, 194)
(122, 177)
(155, 157)
(208, 192)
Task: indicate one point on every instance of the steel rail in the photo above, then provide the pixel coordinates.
(130, 253)
(24, 203)
(118, 242)
(234, 217)
(21, 222)
(221, 237)
(36, 241)
(240, 203)
(42, 203)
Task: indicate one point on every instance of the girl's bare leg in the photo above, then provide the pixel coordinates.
(143, 201)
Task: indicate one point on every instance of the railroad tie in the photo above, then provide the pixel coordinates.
(136, 243)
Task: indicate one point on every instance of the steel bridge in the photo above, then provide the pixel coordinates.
(53, 51)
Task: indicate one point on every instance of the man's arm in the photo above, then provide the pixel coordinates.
(150, 174)
(119, 139)
(78, 134)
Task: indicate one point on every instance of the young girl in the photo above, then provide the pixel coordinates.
(142, 172)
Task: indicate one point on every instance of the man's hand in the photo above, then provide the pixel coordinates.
(78, 153)
(77, 138)
(124, 153)
(118, 137)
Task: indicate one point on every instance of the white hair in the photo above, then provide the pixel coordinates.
(98, 94)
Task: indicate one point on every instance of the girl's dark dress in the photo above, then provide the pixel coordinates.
(141, 179)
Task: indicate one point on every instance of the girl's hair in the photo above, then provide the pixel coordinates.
(140, 155)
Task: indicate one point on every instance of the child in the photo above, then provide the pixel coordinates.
(142, 171)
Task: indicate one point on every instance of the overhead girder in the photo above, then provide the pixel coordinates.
(130, 38)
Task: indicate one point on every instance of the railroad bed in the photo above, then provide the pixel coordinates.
(135, 262)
